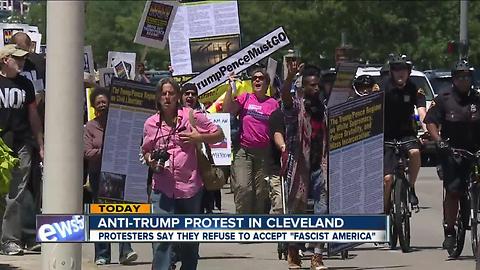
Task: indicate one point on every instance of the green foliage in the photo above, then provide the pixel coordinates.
(420, 29)
(7, 162)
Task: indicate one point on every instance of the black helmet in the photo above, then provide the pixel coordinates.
(364, 80)
(399, 60)
(461, 66)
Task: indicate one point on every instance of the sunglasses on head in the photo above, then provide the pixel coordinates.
(261, 78)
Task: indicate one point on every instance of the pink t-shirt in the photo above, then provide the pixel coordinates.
(254, 116)
(181, 178)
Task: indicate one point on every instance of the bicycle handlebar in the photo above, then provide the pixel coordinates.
(396, 143)
(465, 153)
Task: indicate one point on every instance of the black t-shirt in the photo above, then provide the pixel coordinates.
(276, 123)
(399, 109)
(459, 118)
(34, 70)
(15, 96)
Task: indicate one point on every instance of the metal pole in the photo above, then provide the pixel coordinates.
(64, 125)
(463, 29)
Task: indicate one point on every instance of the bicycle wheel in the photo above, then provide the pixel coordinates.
(402, 219)
(462, 223)
(474, 230)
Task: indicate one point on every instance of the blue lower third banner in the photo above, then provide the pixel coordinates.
(235, 228)
(61, 228)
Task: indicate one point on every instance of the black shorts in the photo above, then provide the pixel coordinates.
(456, 173)
(389, 159)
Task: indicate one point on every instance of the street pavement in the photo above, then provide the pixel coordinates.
(427, 236)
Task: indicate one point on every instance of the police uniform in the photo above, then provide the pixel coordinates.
(399, 117)
(459, 118)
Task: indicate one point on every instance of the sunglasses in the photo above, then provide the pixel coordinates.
(190, 93)
(398, 68)
(261, 78)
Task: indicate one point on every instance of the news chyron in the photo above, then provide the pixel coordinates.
(61, 228)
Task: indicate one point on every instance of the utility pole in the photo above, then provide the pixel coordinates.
(463, 29)
(62, 187)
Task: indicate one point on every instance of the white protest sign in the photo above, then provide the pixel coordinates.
(155, 24)
(106, 75)
(271, 69)
(88, 60)
(222, 151)
(33, 29)
(240, 61)
(198, 20)
(36, 41)
(128, 58)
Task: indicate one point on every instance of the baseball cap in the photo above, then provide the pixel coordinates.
(12, 49)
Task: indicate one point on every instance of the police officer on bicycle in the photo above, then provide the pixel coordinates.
(456, 111)
(401, 97)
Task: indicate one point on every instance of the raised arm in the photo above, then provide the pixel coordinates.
(229, 105)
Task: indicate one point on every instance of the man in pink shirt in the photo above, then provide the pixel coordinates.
(252, 161)
(169, 148)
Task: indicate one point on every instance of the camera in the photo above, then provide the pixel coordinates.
(160, 156)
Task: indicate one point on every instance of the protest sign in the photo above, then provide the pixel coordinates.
(105, 76)
(9, 29)
(240, 61)
(201, 29)
(36, 39)
(90, 109)
(222, 151)
(124, 177)
(128, 58)
(88, 60)
(120, 69)
(355, 160)
(32, 29)
(155, 24)
(342, 87)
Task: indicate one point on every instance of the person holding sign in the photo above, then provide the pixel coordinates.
(21, 129)
(93, 144)
(306, 137)
(251, 162)
(169, 148)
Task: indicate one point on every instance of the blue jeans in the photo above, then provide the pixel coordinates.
(103, 250)
(162, 251)
(318, 191)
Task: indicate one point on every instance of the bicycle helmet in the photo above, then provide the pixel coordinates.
(396, 60)
(461, 66)
(363, 84)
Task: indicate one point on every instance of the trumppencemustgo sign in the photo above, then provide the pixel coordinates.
(240, 61)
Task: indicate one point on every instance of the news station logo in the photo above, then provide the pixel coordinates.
(61, 228)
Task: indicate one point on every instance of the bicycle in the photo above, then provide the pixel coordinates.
(468, 214)
(401, 211)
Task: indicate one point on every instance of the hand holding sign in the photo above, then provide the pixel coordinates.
(191, 137)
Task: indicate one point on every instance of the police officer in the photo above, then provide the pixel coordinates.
(457, 112)
(401, 97)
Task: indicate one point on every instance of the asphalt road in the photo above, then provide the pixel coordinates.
(427, 236)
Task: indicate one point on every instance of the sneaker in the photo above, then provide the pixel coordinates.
(11, 249)
(293, 258)
(101, 261)
(413, 197)
(450, 240)
(33, 246)
(317, 263)
(131, 257)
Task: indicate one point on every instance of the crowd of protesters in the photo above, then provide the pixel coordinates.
(275, 130)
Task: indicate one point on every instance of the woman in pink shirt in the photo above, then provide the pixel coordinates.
(169, 148)
(251, 162)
